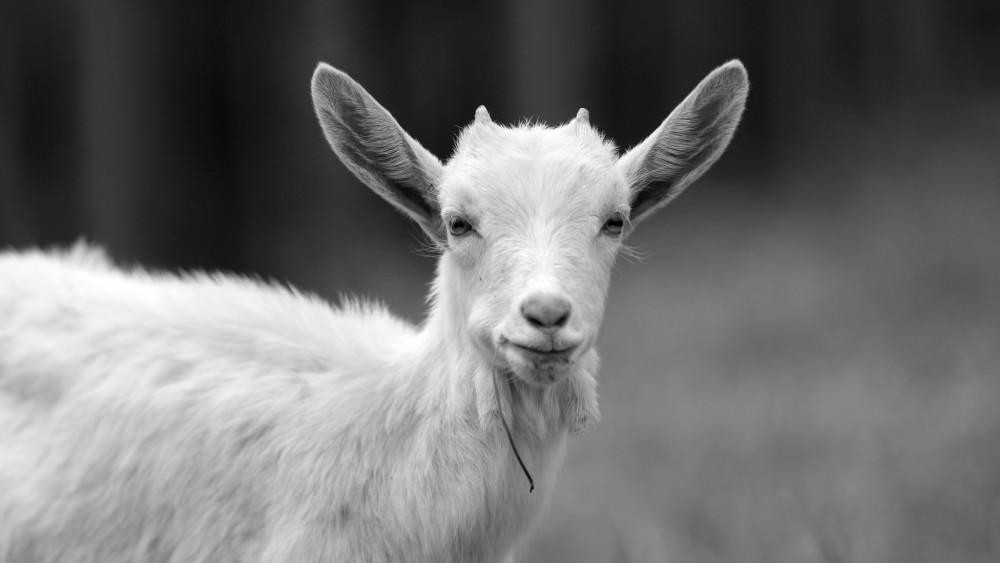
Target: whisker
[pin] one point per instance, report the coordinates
(632, 254)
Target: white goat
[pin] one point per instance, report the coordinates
(152, 417)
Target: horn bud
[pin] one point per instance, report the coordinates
(483, 116)
(582, 117)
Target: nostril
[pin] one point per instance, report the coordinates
(546, 310)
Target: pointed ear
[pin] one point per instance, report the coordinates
(688, 142)
(376, 149)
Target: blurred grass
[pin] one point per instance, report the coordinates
(817, 380)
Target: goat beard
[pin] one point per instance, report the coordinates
(495, 376)
(527, 415)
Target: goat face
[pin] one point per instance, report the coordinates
(533, 218)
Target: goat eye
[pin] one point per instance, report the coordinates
(614, 225)
(458, 226)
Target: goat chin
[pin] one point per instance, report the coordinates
(150, 416)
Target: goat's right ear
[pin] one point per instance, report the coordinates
(687, 143)
(376, 149)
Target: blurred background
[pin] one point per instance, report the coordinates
(804, 366)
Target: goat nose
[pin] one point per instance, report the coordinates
(546, 310)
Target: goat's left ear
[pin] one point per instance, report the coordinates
(688, 142)
(376, 149)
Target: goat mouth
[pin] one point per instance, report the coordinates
(540, 355)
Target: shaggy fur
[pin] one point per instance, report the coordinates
(150, 417)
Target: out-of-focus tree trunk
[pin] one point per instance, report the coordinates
(12, 226)
(126, 183)
(39, 144)
(155, 134)
(803, 71)
(552, 46)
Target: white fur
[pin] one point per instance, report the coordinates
(154, 417)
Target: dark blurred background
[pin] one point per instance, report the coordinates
(804, 366)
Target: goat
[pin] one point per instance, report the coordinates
(208, 418)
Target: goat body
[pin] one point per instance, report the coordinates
(155, 417)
